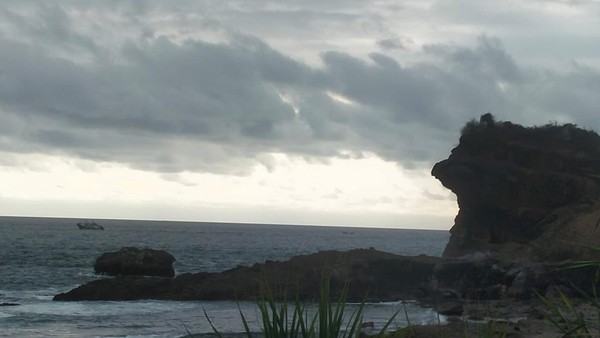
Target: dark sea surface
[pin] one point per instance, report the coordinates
(40, 257)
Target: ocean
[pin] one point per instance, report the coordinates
(40, 257)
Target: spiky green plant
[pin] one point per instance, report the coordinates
(564, 315)
(328, 321)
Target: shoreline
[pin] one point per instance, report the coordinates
(508, 318)
(474, 295)
(503, 318)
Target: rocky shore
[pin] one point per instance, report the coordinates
(372, 275)
(529, 203)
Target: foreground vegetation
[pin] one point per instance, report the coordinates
(328, 320)
(569, 312)
(578, 317)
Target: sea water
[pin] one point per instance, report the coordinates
(40, 257)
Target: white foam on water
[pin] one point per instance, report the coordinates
(104, 308)
(5, 315)
(158, 319)
(89, 274)
(393, 303)
(24, 296)
(136, 336)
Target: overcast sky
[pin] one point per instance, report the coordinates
(301, 111)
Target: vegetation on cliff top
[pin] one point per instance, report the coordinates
(551, 134)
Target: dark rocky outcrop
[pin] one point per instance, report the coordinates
(131, 261)
(371, 273)
(526, 194)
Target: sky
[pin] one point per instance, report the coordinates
(295, 112)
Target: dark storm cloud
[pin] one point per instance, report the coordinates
(391, 44)
(50, 26)
(488, 60)
(165, 105)
(223, 98)
(462, 83)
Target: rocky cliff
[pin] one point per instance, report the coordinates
(524, 193)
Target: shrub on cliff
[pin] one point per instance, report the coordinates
(550, 134)
(487, 120)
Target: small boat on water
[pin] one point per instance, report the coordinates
(89, 225)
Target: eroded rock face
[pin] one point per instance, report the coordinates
(524, 193)
(131, 261)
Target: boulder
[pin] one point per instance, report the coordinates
(524, 194)
(131, 261)
(470, 279)
(450, 308)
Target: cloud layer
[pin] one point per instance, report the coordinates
(191, 87)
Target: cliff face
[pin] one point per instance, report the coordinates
(524, 193)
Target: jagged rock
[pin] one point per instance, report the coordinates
(118, 288)
(372, 274)
(483, 279)
(529, 280)
(525, 194)
(450, 308)
(131, 261)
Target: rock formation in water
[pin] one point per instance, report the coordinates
(524, 193)
(132, 261)
(375, 274)
(369, 274)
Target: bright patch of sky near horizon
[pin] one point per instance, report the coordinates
(294, 191)
(304, 112)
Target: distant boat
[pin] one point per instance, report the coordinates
(89, 225)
